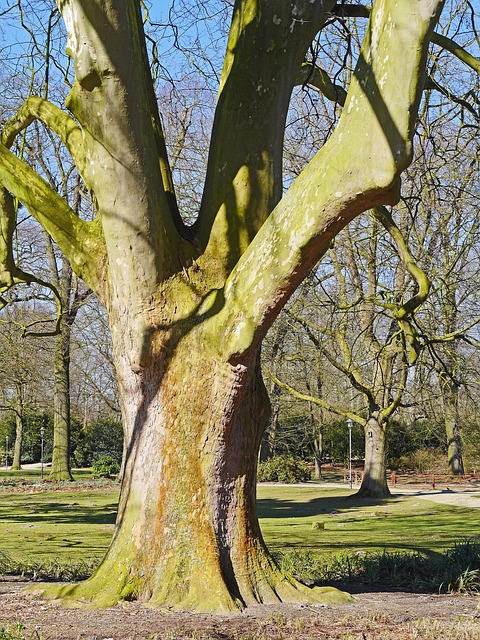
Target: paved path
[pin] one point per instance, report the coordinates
(459, 497)
(469, 498)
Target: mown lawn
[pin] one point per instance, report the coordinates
(32, 473)
(401, 523)
(79, 523)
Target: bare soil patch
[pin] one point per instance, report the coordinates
(374, 615)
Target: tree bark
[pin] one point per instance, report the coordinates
(187, 533)
(17, 449)
(188, 308)
(374, 482)
(452, 428)
(61, 469)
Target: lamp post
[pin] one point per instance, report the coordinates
(6, 452)
(42, 432)
(350, 425)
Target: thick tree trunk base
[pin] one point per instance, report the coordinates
(60, 469)
(374, 481)
(187, 534)
(379, 490)
(209, 599)
(60, 475)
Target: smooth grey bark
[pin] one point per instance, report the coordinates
(449, 396)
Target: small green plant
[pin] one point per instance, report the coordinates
(67, 571)
(105, 467)
(16, 632)
(468, 582)
(284, 468)
(458, 567)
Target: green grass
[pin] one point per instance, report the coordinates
(17, 632)
(400, 523)
(55, 531)
(63, 524)
(31, 474)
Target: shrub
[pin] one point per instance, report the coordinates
(284, 469)
(17, 632)
(456, 570)
(105, 467)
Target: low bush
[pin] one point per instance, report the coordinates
(284, 469)
(70, 571)
(105, 467)
(455, 571)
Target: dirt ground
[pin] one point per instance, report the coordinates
(378, 616)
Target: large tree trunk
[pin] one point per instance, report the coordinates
(61, 469)
(187, 532)
(189, 307)
(374, 482)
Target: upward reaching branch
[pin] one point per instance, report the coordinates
(358, 168)
(78, 239)
(247, 137)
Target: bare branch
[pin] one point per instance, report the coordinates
(318, 401)
(54, 118)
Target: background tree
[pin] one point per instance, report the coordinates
(25, 374)
(439, 142)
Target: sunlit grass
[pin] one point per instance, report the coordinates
(401, 523)
(35, 473)
(61, 524)
(51, 532)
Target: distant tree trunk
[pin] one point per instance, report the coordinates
(317, 440)
(374, 483)
(61, 466)
(452, 428)
(17, 450)
(267, 446)
(317, 457)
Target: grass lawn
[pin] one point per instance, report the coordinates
(79, 524)
(63, 524)
(31, 474)
(400, 523)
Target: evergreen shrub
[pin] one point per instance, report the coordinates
(284, 468)
(105, 467)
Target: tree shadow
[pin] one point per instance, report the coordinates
(274, 508)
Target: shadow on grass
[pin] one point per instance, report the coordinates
(274, 508)
(66, 513)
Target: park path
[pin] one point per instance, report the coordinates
(469, 498)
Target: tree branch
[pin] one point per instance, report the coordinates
(317, 77)
(80, 241)
(55, 119)
(318, 401)
(458, 51)
(252, 108)
(403, 312)
(360, 11)
(357, 169)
